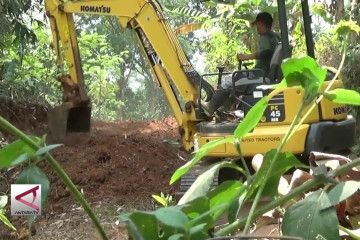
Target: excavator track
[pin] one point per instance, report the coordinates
(190, 177)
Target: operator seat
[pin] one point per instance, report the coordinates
(246, 85)
(275, 74)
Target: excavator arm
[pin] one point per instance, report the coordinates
(169, 64)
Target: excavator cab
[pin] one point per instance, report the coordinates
(314, 135)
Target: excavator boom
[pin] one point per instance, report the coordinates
(169, 64)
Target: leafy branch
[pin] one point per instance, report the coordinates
(315, 182)
(36, 147)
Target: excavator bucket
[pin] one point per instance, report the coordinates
(66, 119)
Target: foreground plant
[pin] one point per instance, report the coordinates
(29, 151)
(3, 218)
(198, 210)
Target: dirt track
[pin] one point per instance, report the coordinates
(118, 167)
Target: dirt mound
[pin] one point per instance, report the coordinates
(118, 164)
(28, 117)
(122, 161)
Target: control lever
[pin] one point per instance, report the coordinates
(247, 64)
(240, 64)
(221, 70)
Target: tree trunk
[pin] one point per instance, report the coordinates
(122, 85)
(354, 7)
(339, 10)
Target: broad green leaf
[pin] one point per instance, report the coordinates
(260, 175)
(197, 232)
(207, 217)
(226, 192)
(196, 207)
(6, 221)
(343, 96)
(235, 207)
(172, 216)
(22, 158)
(203, 183)
(12, 151)
(202, 152)
(125, 216)
(252, 118)
(305, 219)
(46, 149)
(304, 72)
(141, 223)
(3, 201)
(177, 236)
(284, 163)
(342, 191)
(34, 175)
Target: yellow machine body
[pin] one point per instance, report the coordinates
(171, 69)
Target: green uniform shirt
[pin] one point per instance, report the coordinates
(267, 44)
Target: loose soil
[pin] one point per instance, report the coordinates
(118, 166)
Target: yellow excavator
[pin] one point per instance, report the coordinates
(321, 131)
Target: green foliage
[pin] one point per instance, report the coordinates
(285, 162)
(252, 118)
(109, 70)
(304, 72)
(317, 209)
(298, 41)
(227, 192)
(164, 200)
(308, 219)
(184, 11)
(46, 149)
(342, 191)
(34, 175)
(343, 96)
(30, 77)
(99, 65)
(223, 48)
(3, 218)
(12, 24)
(344, 28)
(320, 9)
(202, 152)
(204, 182)
(188, 221)
(16, 153)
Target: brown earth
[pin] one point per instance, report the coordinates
(118, 166)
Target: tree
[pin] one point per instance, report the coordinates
(29, 77)
(11, 23)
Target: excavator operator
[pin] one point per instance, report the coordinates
(268, 40)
